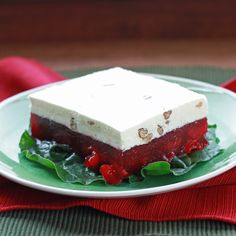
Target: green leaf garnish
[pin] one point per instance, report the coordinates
(70, 167)
(156, 168)
(135, 178)
(60, 157)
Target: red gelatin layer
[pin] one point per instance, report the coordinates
(177, 142)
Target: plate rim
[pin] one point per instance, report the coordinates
(121, 193)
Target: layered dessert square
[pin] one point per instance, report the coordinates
(119, 120)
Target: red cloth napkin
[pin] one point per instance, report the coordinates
(230, 84)
(19, 74)
(214, 199)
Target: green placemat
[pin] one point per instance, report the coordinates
(86, 221)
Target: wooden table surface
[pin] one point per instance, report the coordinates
(71, 55)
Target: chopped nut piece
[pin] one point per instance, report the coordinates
(167, 114)
(142, 133)
(199, 104)
(160, 129)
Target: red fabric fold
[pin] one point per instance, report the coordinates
(18, 74)
(213, 199)
(230, 84)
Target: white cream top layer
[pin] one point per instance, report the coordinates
(119, 107)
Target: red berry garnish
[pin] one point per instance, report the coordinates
(170, 155)
(120, 170)
(92, 161)
(123, 173)
(110, 174)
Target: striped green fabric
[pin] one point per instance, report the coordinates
(86, 221)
